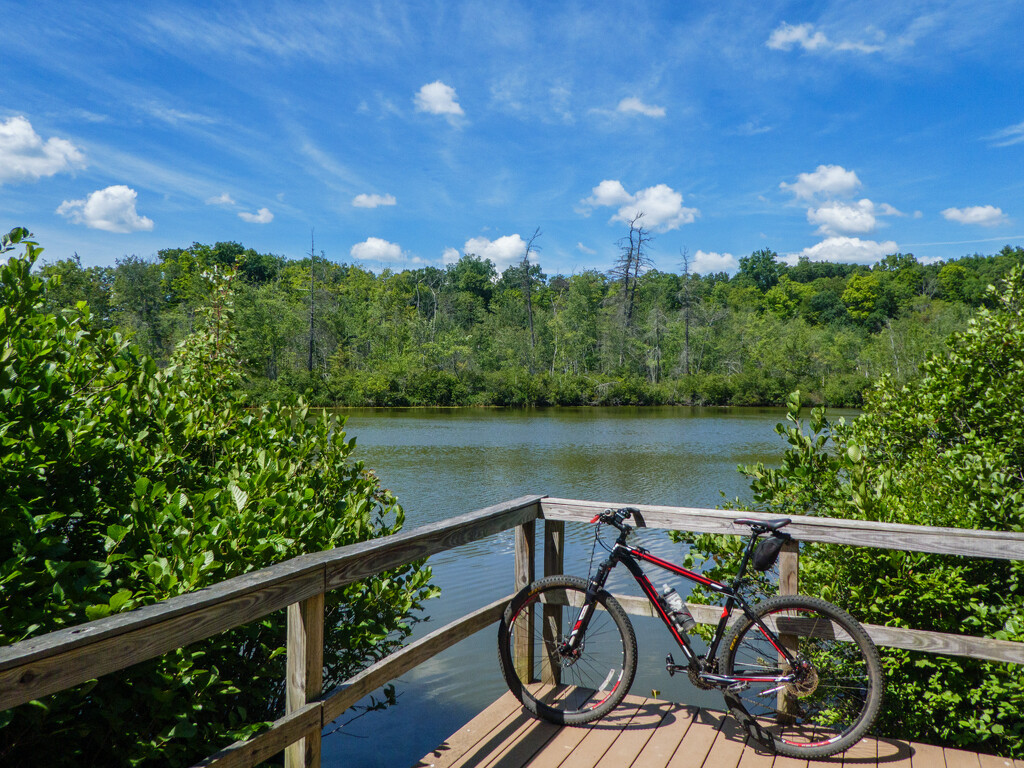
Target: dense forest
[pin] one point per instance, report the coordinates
(466, 335)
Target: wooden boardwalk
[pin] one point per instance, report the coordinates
(647, 733)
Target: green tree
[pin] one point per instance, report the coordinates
(761, 268)
(122, 485)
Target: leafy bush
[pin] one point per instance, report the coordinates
(122, 485)
(945, 450)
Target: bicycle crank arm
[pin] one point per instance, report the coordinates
(671, 667)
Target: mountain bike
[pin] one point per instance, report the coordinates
(800, 674)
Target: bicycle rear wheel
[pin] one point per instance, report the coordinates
(564, 688)
(838, 691)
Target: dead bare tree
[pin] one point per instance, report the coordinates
(633, 261)
(686, 299)
(527, 282)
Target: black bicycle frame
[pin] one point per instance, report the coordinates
(629, 555)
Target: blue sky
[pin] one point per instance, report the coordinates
(404, 134)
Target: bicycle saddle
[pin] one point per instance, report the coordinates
(767, 525)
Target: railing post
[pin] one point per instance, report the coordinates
(789, 584)
(305, 674)
(551, 629)
(523, 631)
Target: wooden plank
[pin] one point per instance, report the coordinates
(729, 746)
(551, 616)
(893, 753)
(54, 668)
(305, 674)
(400, 662)
(664, 741)
(864, 752)
(282, 732)
(359, 561)
(994, 761)
(560, 748)
(498, 741)
(781, 761)
(525, 568)
(946, 644)
(926, 756)
(522, 745)
(891, 637)
(602, 734)
(476, 731)
(959, 758)
(634, 737)
(1004, 545)
(789, 584)
(701, 735)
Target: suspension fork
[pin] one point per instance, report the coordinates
(572, 643)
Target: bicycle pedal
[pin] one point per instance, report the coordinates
(738, 687)
(671, 667)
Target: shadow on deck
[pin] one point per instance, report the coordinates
(647, 733)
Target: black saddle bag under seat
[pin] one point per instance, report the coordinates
(767, 552)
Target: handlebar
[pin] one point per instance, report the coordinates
(615, 517)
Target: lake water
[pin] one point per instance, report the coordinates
(443, 463)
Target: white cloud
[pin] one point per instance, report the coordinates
(661, 205)
(24, 156)
(451, 256)
(376, 249)
(583, 249)
(222, 199)
(847, 249)
(372, 201)
(710, 263)
(111, 210)
(856, 218)
(438, 99)
(1014, 134)
(825, 180)
(504, 252)
(608, 192)
(262, 216)
(982, 215)
(785, 36)
(631, 104)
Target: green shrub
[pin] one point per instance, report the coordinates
(122, 485)
(944, 450)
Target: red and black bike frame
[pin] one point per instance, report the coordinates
(630, 557)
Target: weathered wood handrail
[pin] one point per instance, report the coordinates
(59, 660)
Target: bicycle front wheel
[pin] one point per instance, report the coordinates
(566, 687)
(838, 687)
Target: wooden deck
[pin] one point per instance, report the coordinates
(647, 733)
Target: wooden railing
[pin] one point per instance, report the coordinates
(43, 665)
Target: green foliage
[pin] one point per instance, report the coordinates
(946, 449)
(122, 484)
(403, 338)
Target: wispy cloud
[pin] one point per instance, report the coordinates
(372, 201)
(633, 105)
(1014, 134)
(787, 36)
(222, 199)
